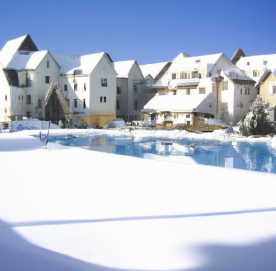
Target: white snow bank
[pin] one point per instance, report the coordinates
(70, 209)
(19, 142)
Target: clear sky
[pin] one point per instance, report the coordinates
(148, 31)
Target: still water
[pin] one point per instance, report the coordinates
(250, 156)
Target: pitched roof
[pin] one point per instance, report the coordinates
(153, 69)
(26, 60)
(123, 67)
(69, 63)
(236, 57)
(12, 46)
(182, 103)
(238, 77)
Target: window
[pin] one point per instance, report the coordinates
(183, 75)
(241, 91)
(19, 98)
(101, 99)
(188, 91)
(274, 90)
(195, 74)
(201, 90)
(6, 97)
(118, 90)
(76, 103)
(84, 104)
(104, 82)
(65, 88)
(255, 73)
(84, 86)
(104, 99)
(248, 63)
(29, 99)
(39, 103)
(75, 87)
(224, 85)
(245, 92)
(265, 62)
(135, 105)
(188, 123)
(48, 63)
(173, 76)
(6, 111)
(248, 91)
(135, 89)
(47, 79)
(117, 104)
(28, 114)
(187, 116)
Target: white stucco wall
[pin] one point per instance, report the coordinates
(103, 70)
(4, 90)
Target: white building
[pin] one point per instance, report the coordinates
(25, 76)
(130, 90)
(39, 84)
(152, 73)
(254, 66)
(216, 83)
(88, 83)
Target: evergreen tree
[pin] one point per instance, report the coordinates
(256, 121)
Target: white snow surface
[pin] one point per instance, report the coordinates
(69, 63)
(152, 69)
(9, 50)
(29, 61)
(71, 209)
(123, 67)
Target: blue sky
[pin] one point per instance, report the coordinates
(148, 31)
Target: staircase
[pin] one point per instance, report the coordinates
(65, 108)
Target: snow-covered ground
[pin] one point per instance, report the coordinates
(71, 209)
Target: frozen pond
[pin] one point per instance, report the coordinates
(251, 156)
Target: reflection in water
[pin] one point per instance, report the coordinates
(251, 156)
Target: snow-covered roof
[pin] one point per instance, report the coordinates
(123, 67)
(152, 69)
(9, 50)
(182, 103)
(69, 63)
(184, 63)
(257, 61)
(181, 63)
(236, 73)
(26, 60)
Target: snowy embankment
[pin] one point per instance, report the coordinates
(71, 209)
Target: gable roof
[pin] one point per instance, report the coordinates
(153, 69)
(123, 67)
(26, 60)
(238, 77)
(12, 46)
(181, 63)
(181, 103)
(85, 63)
(236, 57)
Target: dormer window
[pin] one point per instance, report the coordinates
(197, 61)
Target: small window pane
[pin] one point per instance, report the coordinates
(29, 99)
